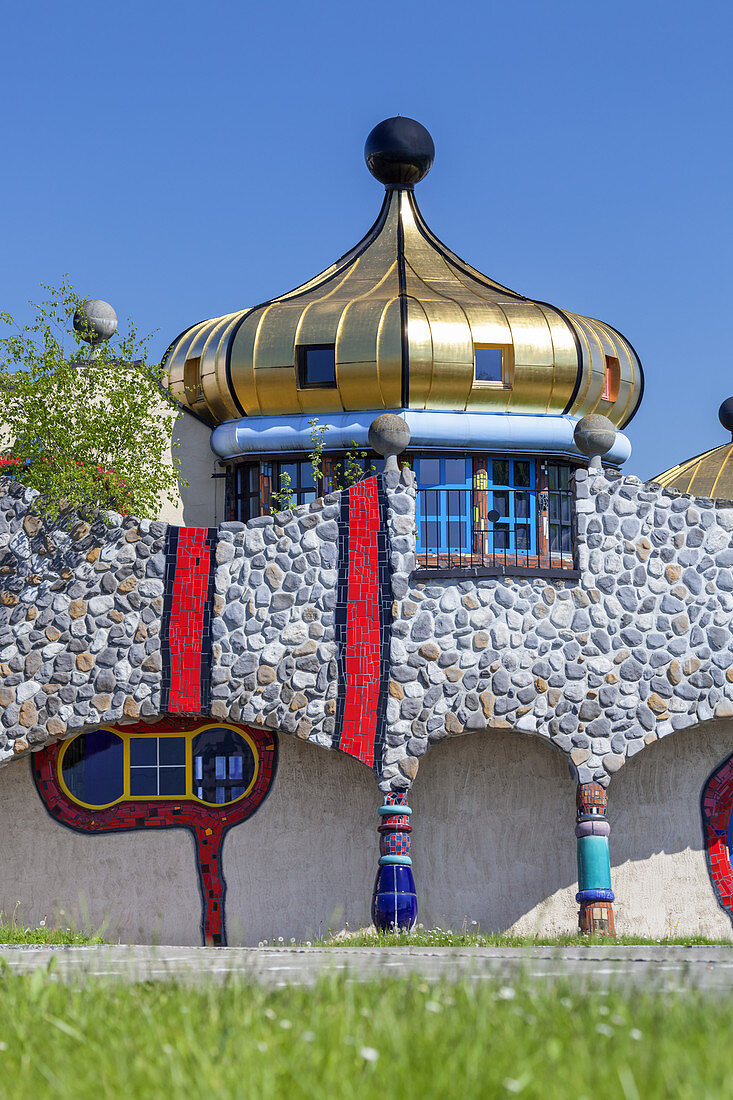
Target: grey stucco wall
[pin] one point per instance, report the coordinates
(493, 842)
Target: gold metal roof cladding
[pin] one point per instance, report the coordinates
(405, 316)
(707, 475)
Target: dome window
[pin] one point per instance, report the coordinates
(489, 365)
(612, 380)
(317, 366)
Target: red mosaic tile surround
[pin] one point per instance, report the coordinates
(716, 804)
(190, 553)
(362, 625)
(208, 824)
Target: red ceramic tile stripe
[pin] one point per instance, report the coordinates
(190, 588)
(362, 625)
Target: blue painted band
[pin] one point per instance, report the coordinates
(394, 810)
(385, 861)
(429, 429)
(595, 895)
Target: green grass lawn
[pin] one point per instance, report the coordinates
(358, 1040)
(14, 931)
(440, 937)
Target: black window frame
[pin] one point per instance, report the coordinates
(301, 354)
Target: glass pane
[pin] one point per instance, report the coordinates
(320, 366)
(456, 501)
(554, 507)
(93, 767)
(521, 505)
(291, 469)
(305, 497)
(143, 751)
(456, 534)
(213, 754)
(552, 477)
(501, 538)
(565, 508)
(144, 781)
(455, 471)
(428, 471)
(429, 502)
(429, 532)
(500, 471)
(236, 792)
(198, 770)
(254, 479)
(488, 364)
(565, 539)
(521, 535)
(501, 504)
(306, 475)
(172, 750)
(221, 795)
(521, 474)
(172, 781)
(235, 767)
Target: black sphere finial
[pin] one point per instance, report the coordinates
(725, 414)
(399, 152)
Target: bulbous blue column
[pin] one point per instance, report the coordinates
(394, 904)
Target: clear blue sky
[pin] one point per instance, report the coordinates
(182, 160)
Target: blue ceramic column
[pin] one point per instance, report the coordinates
(595, 895)
(394, 904)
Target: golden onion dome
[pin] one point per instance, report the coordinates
(405, 318)
(709, 474)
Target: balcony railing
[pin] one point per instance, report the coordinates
(495, 531)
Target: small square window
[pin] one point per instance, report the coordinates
(612, 379)
(489, 365)
(317, 366)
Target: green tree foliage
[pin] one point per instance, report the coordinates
(88, 429)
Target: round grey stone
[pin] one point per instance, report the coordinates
(594, 435)
(95, 321)
(389, 434)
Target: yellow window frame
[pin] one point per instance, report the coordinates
(126, 737)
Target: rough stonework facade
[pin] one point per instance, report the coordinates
(638, 647)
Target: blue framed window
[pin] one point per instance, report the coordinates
(486, 507)
(512, 505)
(444, 510)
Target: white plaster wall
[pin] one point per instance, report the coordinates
(493, 842)
(141, 887)
(494, 818)
(658, 867)
(306, 860)
(201, 502)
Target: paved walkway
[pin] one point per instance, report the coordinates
(665, 968)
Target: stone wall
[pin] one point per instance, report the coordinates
(638, 647)
(599, 667)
